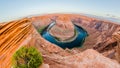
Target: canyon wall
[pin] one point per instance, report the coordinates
(12, 34)
(24, 32)
(100, 31)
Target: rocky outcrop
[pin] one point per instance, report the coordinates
(44, 66)
(100, 32)
(116, 36)
(22, 32)
(12, 34)
(63, 29)
(87, 59)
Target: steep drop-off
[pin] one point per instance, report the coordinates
(24, 32)
(76, 40)
(100, 31)
(12, 34)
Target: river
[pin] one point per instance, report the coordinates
(78, 40)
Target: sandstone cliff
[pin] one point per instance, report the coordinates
(24, 32)
(116, 36)
(100, 32)
(12, 34)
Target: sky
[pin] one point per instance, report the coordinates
(15, 9)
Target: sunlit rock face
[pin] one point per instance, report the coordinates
(19, 33)
(63, 29)
(116, 36)
(99, 30)
(12, 34)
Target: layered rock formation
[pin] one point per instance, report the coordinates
(100, 32)
(12, 34)
(22, 32)
(116, 36)
(63, 29)
(87, 59)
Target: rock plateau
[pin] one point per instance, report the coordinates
(98, 51)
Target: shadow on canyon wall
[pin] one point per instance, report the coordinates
(24, 32)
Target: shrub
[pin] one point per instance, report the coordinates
(27, 57)
(41, 29)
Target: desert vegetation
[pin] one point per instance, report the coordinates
(100, 50)
(27, 57)
(41, 29)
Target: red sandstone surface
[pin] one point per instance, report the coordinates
(23, 32)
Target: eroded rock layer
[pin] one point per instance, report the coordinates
(87, 59)
(100, 31)
(116, 36)
(12, 34)
(19, 33)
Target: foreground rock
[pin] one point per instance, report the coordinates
(44, 66)
(87, 59)
(12, 34)
(116, 36)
